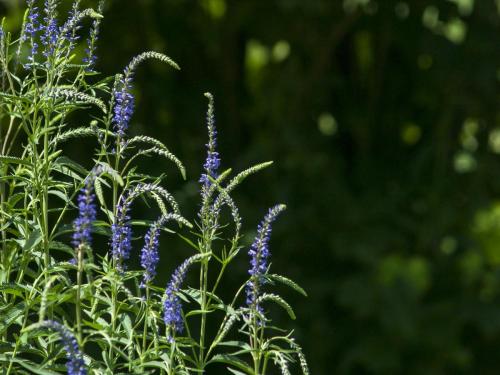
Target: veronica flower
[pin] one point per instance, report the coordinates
(212, 162)
(70, 28)
(51, 29)
(75, 364)
(86, 211)
(31, 28)
(259, 256)
(172, 306)
(149, 253)
(124, 99)
(121, 239)
(124, 105)
(90, 58)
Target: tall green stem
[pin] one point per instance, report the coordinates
(146, 312)
(78, 292)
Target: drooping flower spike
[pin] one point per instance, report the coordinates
(259, 257)
(75, 364)
(121, 238)
(90, 56)
(172, 306)
(123, 98)
(149, 253)
(69, 30)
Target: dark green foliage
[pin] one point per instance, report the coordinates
(387, 237)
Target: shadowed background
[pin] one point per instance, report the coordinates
(383, 120)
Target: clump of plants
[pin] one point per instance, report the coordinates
(68, 305)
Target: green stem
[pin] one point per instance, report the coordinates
(255, 346)
(204, 287)
(78, 292)
(113, 316)
(113, 286)
(146, 312)
(18, 341)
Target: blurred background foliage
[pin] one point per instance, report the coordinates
(383, 119)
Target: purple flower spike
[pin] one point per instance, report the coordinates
(70, 28)
(172, 307)
(31, 28)
(212, 161)
(259, 257)
(149, 253)
(86, 211)
(124, 106)
(124, 101)
(121, 240)
(91, 58)
(75, 364)
(123, 98)
(51, 29)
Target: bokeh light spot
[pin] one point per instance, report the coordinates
(327, 124)
(411, 133)
(257, 55)
(455, 30)
(464, 162)
(216, 8)
(281, 50)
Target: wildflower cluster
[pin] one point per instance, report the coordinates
(120, 317)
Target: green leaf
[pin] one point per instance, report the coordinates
(60, 195)
(12, 315)
(13, 160)
(34, 239)
(108, 170)
(98, 192)
(60, 246)
(234, 361)
(156, 364)
(238, 179)
(14, 289)
(28, 365)
(286, 281)
(237, 344)
(236, 372)
(279, 301)
(69, 168)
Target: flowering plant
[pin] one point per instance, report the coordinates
(65, 304)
